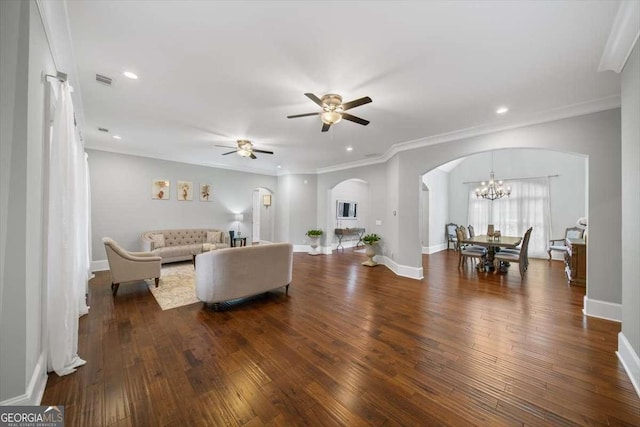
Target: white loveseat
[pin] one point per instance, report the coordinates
(239, 272)
(182, 244)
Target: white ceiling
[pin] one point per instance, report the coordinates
(212, 72)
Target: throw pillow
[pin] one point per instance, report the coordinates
(158, 241)
(214, 236)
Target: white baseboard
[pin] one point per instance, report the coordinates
(433, 249)
(35, 389)
(401, 270)
(99, 265)
(602, 309)
(630, 361)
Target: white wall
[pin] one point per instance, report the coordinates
(629, 340)
(567, 192)
(437, 182)
(122, 207)
(25, 57)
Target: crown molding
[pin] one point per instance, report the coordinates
(574, 110)
(622, 38)
(155, 156)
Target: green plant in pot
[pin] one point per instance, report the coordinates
(314, 236)
(370, 241)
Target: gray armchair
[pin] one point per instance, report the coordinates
(560, 244)
(127, 266)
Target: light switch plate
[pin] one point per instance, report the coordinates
(378, 222)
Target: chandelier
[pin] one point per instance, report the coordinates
(493, 189)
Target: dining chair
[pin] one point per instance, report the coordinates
(521, 256)
(466, 245)
(472, 232)
(560, 244)
(450, 235)
(473, 252)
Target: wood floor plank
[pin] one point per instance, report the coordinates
(349, 346)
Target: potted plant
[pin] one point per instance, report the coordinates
(370, 240)
(314, 236)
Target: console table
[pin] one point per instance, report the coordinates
(341, 232)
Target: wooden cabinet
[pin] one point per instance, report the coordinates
(576, 261)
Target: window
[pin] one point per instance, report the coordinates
(528, 206)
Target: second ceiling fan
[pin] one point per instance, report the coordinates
(333, 110)
(245, 149)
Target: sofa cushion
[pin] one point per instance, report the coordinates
(214, 237)
(158, 241)
(177, 251)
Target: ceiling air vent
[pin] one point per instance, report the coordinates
(103, 79)
(103, 129)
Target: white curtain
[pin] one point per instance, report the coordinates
(528, 206)
(68, 267)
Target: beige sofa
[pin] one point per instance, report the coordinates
(240, 272)
(182, 244)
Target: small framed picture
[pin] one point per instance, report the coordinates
(160, 189)
(205, 192)
(185, 191)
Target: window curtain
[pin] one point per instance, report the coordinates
(528, 206)
(68, 236)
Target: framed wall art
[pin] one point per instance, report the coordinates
(185, 191)
(160, 189)
(205, 192)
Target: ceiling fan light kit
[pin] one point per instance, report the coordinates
(245, 148)
(333, 110)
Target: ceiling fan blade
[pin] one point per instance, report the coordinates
(262, 151)
(325, 127)
(253, 156)
(314, 98)
(223, 146)
(356, 103)
(302, 115)
(230, 152)
(355, 119)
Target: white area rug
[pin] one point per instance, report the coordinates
(177, 286)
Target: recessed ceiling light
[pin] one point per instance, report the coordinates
(117, 137)
(502, 110)
(349, 148)
(130, 75)
(279, 166)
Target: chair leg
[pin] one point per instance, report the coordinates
(549, 252)
(286, 290)
(157, 281)
(522, 270)
(114, 288)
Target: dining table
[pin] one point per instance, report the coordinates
(493, 244)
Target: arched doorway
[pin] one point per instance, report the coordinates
(263, 224)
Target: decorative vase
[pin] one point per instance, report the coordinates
(370, 252)
(314, 244)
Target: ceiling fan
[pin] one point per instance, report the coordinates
(333, 110)
(245, 149)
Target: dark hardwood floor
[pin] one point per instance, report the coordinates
(353, 345)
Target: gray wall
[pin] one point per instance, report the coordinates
(631, 203)
(25, 58)
(122, 207)
(596, 135)
(567, 192)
